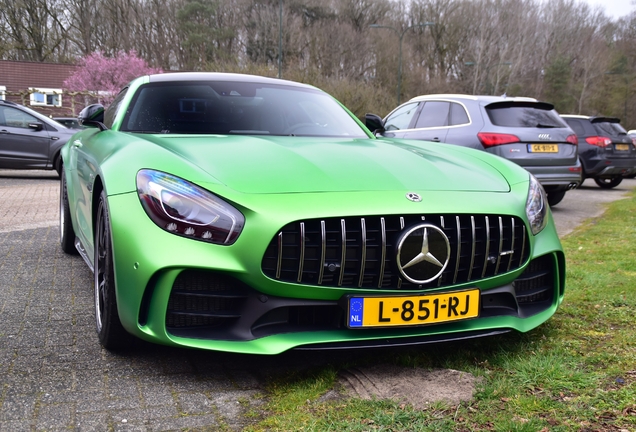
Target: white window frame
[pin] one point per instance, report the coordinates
(46, 92)
(3, 92)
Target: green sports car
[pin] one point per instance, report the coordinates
(246, 214)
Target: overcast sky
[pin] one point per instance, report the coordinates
(614, 8)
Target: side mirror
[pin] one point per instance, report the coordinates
(92, 115)
(374, 123)
(36, 126)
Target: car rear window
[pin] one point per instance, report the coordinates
(610, 128)
(528, 115)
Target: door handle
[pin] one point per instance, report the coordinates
(435, 139)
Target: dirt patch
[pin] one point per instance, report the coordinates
(418, 387)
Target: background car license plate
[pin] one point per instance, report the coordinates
(413, 310)
(621, 147)
(544, 148)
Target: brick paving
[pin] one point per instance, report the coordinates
(55, 376)
(19, 190)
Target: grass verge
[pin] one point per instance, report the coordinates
(575, 372)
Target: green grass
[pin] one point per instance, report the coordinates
(575, 372)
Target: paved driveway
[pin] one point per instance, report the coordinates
(54, 374)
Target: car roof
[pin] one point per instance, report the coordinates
(593, 119)
(482, 98)
(220, 76)
(489, 101)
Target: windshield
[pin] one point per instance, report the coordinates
(222, 107)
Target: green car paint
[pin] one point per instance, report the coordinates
(274, 181)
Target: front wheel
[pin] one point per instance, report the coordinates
(608, 183)
(67, 234)
(110, 331)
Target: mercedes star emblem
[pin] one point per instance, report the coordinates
(412, 196)
(423, 252)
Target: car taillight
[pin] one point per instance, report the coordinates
(599, 141)
(572, 139)
(489, 139)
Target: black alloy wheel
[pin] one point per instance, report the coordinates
(110, 331)
(67, 234)
(608, 183)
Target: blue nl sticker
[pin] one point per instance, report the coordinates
(355, 312)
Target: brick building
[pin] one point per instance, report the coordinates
(39, 86)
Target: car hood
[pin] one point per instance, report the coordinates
(253, 164)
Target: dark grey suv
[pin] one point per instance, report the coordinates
(523, 130)
(30, 140)
(606, 150)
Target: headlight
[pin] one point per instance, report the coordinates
(185, 209)
(536, 208)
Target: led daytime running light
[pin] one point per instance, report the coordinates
(182, 208)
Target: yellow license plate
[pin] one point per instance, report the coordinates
(413, 310)
(544, 148)
(622, 147)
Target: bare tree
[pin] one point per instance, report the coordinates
(32, 28)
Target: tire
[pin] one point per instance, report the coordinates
(608, 183)
(555, 197)
(67, 234)
(110, 331)
(57, 164)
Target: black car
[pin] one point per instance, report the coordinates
(606, 150)
(523, 130)
(30, 140)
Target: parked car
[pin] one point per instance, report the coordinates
(28, 139)
(523, 130)
(607, 153)
(69, 122)
(255, 215)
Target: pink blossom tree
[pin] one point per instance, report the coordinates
(103, 77)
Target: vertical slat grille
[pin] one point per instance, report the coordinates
(360, 252)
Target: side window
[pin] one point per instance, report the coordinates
(113, 108)
(458, 115)
(401, 118)
(15, 118)
(433, 114)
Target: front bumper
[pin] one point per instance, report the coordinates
(561, 178)
(605, 168)
(251, 313)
